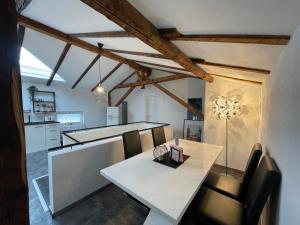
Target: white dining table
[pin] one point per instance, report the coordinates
(165, 190)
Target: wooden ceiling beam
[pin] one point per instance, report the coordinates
(169, 33)
(59, 62)
(156, 80)
(37, 26)
(238, 38)
(216, 75)
(131, 20)
(174, 35)
(122, 82)
(179, 100)
(237, 79)
(247, 69)
(86, 71)
(107, 76)
(195, 60)
(124, 96)
(241, 68)
(103, 34)
(14, 199)
(161, 65)
(146, 54)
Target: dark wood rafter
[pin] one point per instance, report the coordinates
(14, 201)
(215, 75)
(195, 60)
(59, 62)
(107, 76)
(156, 80)
(152, 55)
(241, 68)
(125, 96)
(174, 35)
(37, 26)
(167, 33)
(105, 34)
(179, 100)
(237, 79)
(131, 20)
(239, 38)
(86, 71)
(122, 82)
(161, 65)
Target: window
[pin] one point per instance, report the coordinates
(33, 67)
(69, 117)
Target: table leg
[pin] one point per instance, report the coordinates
(154, 218)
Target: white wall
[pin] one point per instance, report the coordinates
(244, 130)
(167, 110)
(70, 100)
(72, 178)
(281, 129)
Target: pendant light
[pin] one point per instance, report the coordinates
(100, 88)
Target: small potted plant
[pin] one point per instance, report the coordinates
(32, 89)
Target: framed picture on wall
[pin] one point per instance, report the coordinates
(197, 104)
(193, 130)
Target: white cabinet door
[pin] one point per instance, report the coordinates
(35, 138)
(52, 135)
(112, 116)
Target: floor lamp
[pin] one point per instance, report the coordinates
(226, 109)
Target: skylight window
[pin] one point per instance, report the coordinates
(33, 67)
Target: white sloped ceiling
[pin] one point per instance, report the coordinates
(189, 17)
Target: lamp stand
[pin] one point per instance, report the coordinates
(226, 147)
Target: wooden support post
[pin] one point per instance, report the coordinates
(107, 76)
(14, 208)
(180, 101)
(86, 71)
(21, 34)
(59, 62)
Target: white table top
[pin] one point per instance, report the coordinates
(166, 190)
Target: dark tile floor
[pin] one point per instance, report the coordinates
(108, 206)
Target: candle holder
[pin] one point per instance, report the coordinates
(159, 152)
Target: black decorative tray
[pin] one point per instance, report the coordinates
(168, 161)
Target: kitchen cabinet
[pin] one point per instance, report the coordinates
(40, 137)
(35, 138)
(52, 135)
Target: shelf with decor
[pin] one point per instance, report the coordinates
(43, 101)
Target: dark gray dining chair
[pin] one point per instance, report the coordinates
(132, 147)
(213, 208)
(232, 187)
(132, 143)
(158, 135)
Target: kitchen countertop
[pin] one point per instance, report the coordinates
(38, 123)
